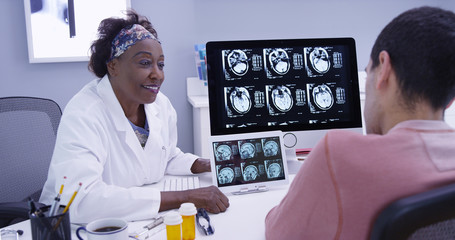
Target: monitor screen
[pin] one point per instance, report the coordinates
(289, 85)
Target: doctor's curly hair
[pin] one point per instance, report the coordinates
(109, 28)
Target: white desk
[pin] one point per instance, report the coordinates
(245, 216)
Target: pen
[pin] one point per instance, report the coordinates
(148, 227)
(54, 208)
(31, 205)
(67, 206)
(33, 210)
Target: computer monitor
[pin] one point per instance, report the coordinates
(302, 87)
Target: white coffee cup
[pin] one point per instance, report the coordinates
(105, 229)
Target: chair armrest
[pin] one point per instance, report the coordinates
(11, 212)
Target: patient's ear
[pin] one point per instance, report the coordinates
(384, 70)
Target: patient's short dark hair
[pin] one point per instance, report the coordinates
(421, 45)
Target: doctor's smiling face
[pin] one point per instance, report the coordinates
(137, 74)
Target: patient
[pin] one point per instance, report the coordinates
(349, 178)
(120, 132)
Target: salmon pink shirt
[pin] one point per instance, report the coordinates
(349, 178)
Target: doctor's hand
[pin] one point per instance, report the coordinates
(210, 198)
(201, 165)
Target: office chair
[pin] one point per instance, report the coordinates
(427, 215)
(28, 129)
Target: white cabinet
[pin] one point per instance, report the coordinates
(198, 97)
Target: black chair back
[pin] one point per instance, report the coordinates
(427, 215)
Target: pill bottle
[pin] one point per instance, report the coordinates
(188, 212)
(173, 222)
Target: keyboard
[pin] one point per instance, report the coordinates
(180, 183)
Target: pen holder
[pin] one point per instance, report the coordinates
(45, 227)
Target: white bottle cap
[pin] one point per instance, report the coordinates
(187, 209)
(173, 218)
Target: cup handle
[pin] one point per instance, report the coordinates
(77, 232)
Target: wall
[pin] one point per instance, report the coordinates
(181, 23)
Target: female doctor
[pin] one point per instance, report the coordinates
(119, 132)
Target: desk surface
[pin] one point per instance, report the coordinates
(245, 215)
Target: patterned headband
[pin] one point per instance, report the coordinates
(127, 37)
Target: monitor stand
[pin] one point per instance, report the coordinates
(254, 190)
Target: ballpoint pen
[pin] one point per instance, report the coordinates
(31, 205)
(54, 207)
(157, 221)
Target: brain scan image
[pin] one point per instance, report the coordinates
(323, 97)
(279, 60)
(226, 175)
(250, 173)
(223, 153)
(274, 170)
(240, 100)
(238, 62)
(247, 150)
(282, 98)
(319, 59)
(270, 149)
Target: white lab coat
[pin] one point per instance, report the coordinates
(97, 146)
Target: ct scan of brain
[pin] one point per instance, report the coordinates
(274, 170)
(226, 175)
(282, 98)
(250, 173)
(240, 100)
(319, 59)
(270, 148)
(323, 97)
(279, 60)
(238, 62)
(223, 153)
(247, 150)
